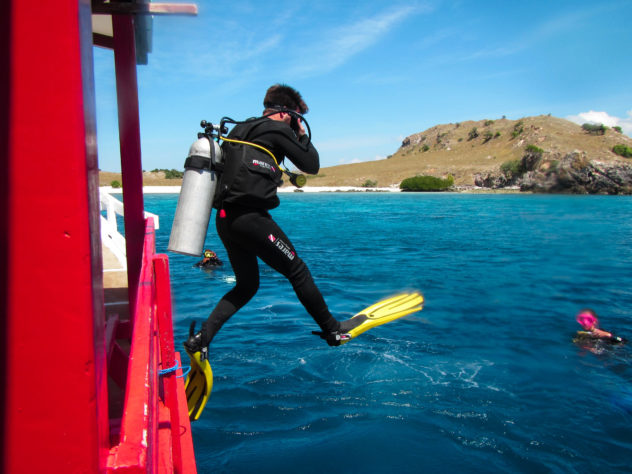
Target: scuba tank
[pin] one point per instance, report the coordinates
(195, 202)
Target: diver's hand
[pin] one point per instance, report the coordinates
(300, 130)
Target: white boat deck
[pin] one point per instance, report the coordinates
(113, 256)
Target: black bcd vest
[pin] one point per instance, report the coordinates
(250, 177)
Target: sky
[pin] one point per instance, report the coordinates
(373, 72)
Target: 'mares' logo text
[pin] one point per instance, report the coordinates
(282, 246)
(265, 165)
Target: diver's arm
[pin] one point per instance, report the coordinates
(280, 138)
(308, 161)
(601, 333)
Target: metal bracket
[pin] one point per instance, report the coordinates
(104, 7)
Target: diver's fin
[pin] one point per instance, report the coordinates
(377, 314)
(199, 383)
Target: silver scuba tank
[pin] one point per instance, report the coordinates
(195, 202)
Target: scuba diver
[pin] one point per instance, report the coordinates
(210, 260)
(246, 191)
(587, 318)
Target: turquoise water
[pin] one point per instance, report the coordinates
(484, 379)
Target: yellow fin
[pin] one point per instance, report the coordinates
(387, 310)
(198, 384)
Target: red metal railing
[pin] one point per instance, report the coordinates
(154, 431)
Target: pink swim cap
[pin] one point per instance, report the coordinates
(587, 319)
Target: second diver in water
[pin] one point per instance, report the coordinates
(210, 260)
(587, 318)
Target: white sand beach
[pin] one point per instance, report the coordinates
(286, 189)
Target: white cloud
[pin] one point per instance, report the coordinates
(536, 35)
(337, 46)
(608, 120)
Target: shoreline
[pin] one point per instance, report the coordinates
(323, 189)
(285, 189)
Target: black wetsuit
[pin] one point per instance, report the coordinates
(248, 231)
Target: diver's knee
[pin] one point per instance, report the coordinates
(248, 290)
(299, 274)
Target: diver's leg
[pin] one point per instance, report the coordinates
(271, 244)
(246, 269)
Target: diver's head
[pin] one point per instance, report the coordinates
(587, 318)
(282, 96)
(281, 99)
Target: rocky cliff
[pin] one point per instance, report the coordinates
(573, 172)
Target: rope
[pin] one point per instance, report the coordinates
(174, 368)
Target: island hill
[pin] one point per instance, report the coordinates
(537, 154)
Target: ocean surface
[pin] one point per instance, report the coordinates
(485, 379)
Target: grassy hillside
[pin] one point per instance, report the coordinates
(453, 149)
(149, 179)
(449, 149)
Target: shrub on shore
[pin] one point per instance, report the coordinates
(595, 129)
(623, 150)
(115, 184)
(512, 168)
(426, 183)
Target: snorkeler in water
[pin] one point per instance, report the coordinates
(587, 318)
(210, 260)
